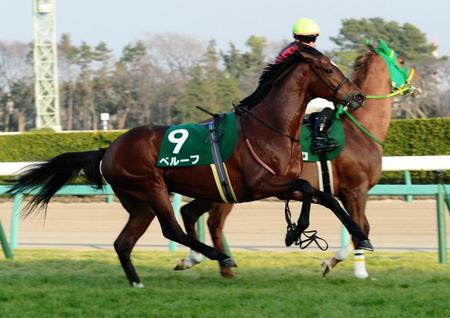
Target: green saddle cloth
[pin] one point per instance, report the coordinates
(337, 133)
(188, 145)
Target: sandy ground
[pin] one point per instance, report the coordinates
(395, 225)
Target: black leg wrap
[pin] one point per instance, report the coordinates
(295, 236)
(365, 245)
(290, 238)
(292, 235)
(228, 262)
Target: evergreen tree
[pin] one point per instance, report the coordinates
(209, 87)
(406, 39)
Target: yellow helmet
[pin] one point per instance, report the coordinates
(305, 26)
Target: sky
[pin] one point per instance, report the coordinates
(120, 22)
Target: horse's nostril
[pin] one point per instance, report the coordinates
(359, 98)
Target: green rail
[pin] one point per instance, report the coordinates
(440, 192)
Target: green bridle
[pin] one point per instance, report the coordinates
(400, 83)
(400, 76)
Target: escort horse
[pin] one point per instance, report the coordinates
(381, 73)
(267, 122)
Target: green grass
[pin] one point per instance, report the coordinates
(57, 283)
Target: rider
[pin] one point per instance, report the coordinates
(306, 31)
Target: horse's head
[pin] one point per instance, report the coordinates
(413, 80)
(328, 81)
(402, 79)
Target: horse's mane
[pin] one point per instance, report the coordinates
(360, 66)
(273, 72)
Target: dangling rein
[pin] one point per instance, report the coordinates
(404, 89)
(240, 110)
(357, 124)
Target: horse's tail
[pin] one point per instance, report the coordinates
(48, 177)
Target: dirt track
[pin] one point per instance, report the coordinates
(252, 226)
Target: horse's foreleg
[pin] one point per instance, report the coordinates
(140, 218)
(328, 201)
(216, 221)
(190, 213)
(356, 200)
(303, 221)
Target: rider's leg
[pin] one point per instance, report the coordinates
(320, 126)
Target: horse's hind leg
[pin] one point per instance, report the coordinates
(172, 230)
(356, 205)
(219, 212)
(190, 213)
(216, 221)
(141, 215)
(354, 202)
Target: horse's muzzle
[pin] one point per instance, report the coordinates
(356, 101)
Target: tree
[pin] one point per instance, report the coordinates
(234, 62)
(172, 57)
(68, 72)
(406, 38)
(16, 83)
(209, 87)
(246, 67)
(134, 80)
(85, 93)
(104, 95)
(411, 43)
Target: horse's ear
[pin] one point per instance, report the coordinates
(369, 44)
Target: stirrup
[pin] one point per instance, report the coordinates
(323, 147)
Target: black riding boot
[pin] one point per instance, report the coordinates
(320, 140)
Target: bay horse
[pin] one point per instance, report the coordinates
(355, 171)
(271, 117)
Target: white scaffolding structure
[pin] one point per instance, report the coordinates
(45, 65)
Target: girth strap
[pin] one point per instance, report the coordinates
(219, 169)
(325, 173)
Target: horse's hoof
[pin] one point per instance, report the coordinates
(184, 264)
(226, 272)
(361, 275)
(228, 262)
(365, 245)
(290, 238)
(137, 285)
(326, 267)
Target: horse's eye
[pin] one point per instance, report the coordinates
(328, 70)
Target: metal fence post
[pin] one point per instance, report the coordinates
(4, 241)
(226, 247)
(176, 203)
(442, 237)
(201, 228)
(345, 237)
(407, 174)
(109, 198)
(15, 217)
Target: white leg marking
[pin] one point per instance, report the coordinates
(326, 267)
(343, 252)
(138, 285)
(192, 259)
(360, 265)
